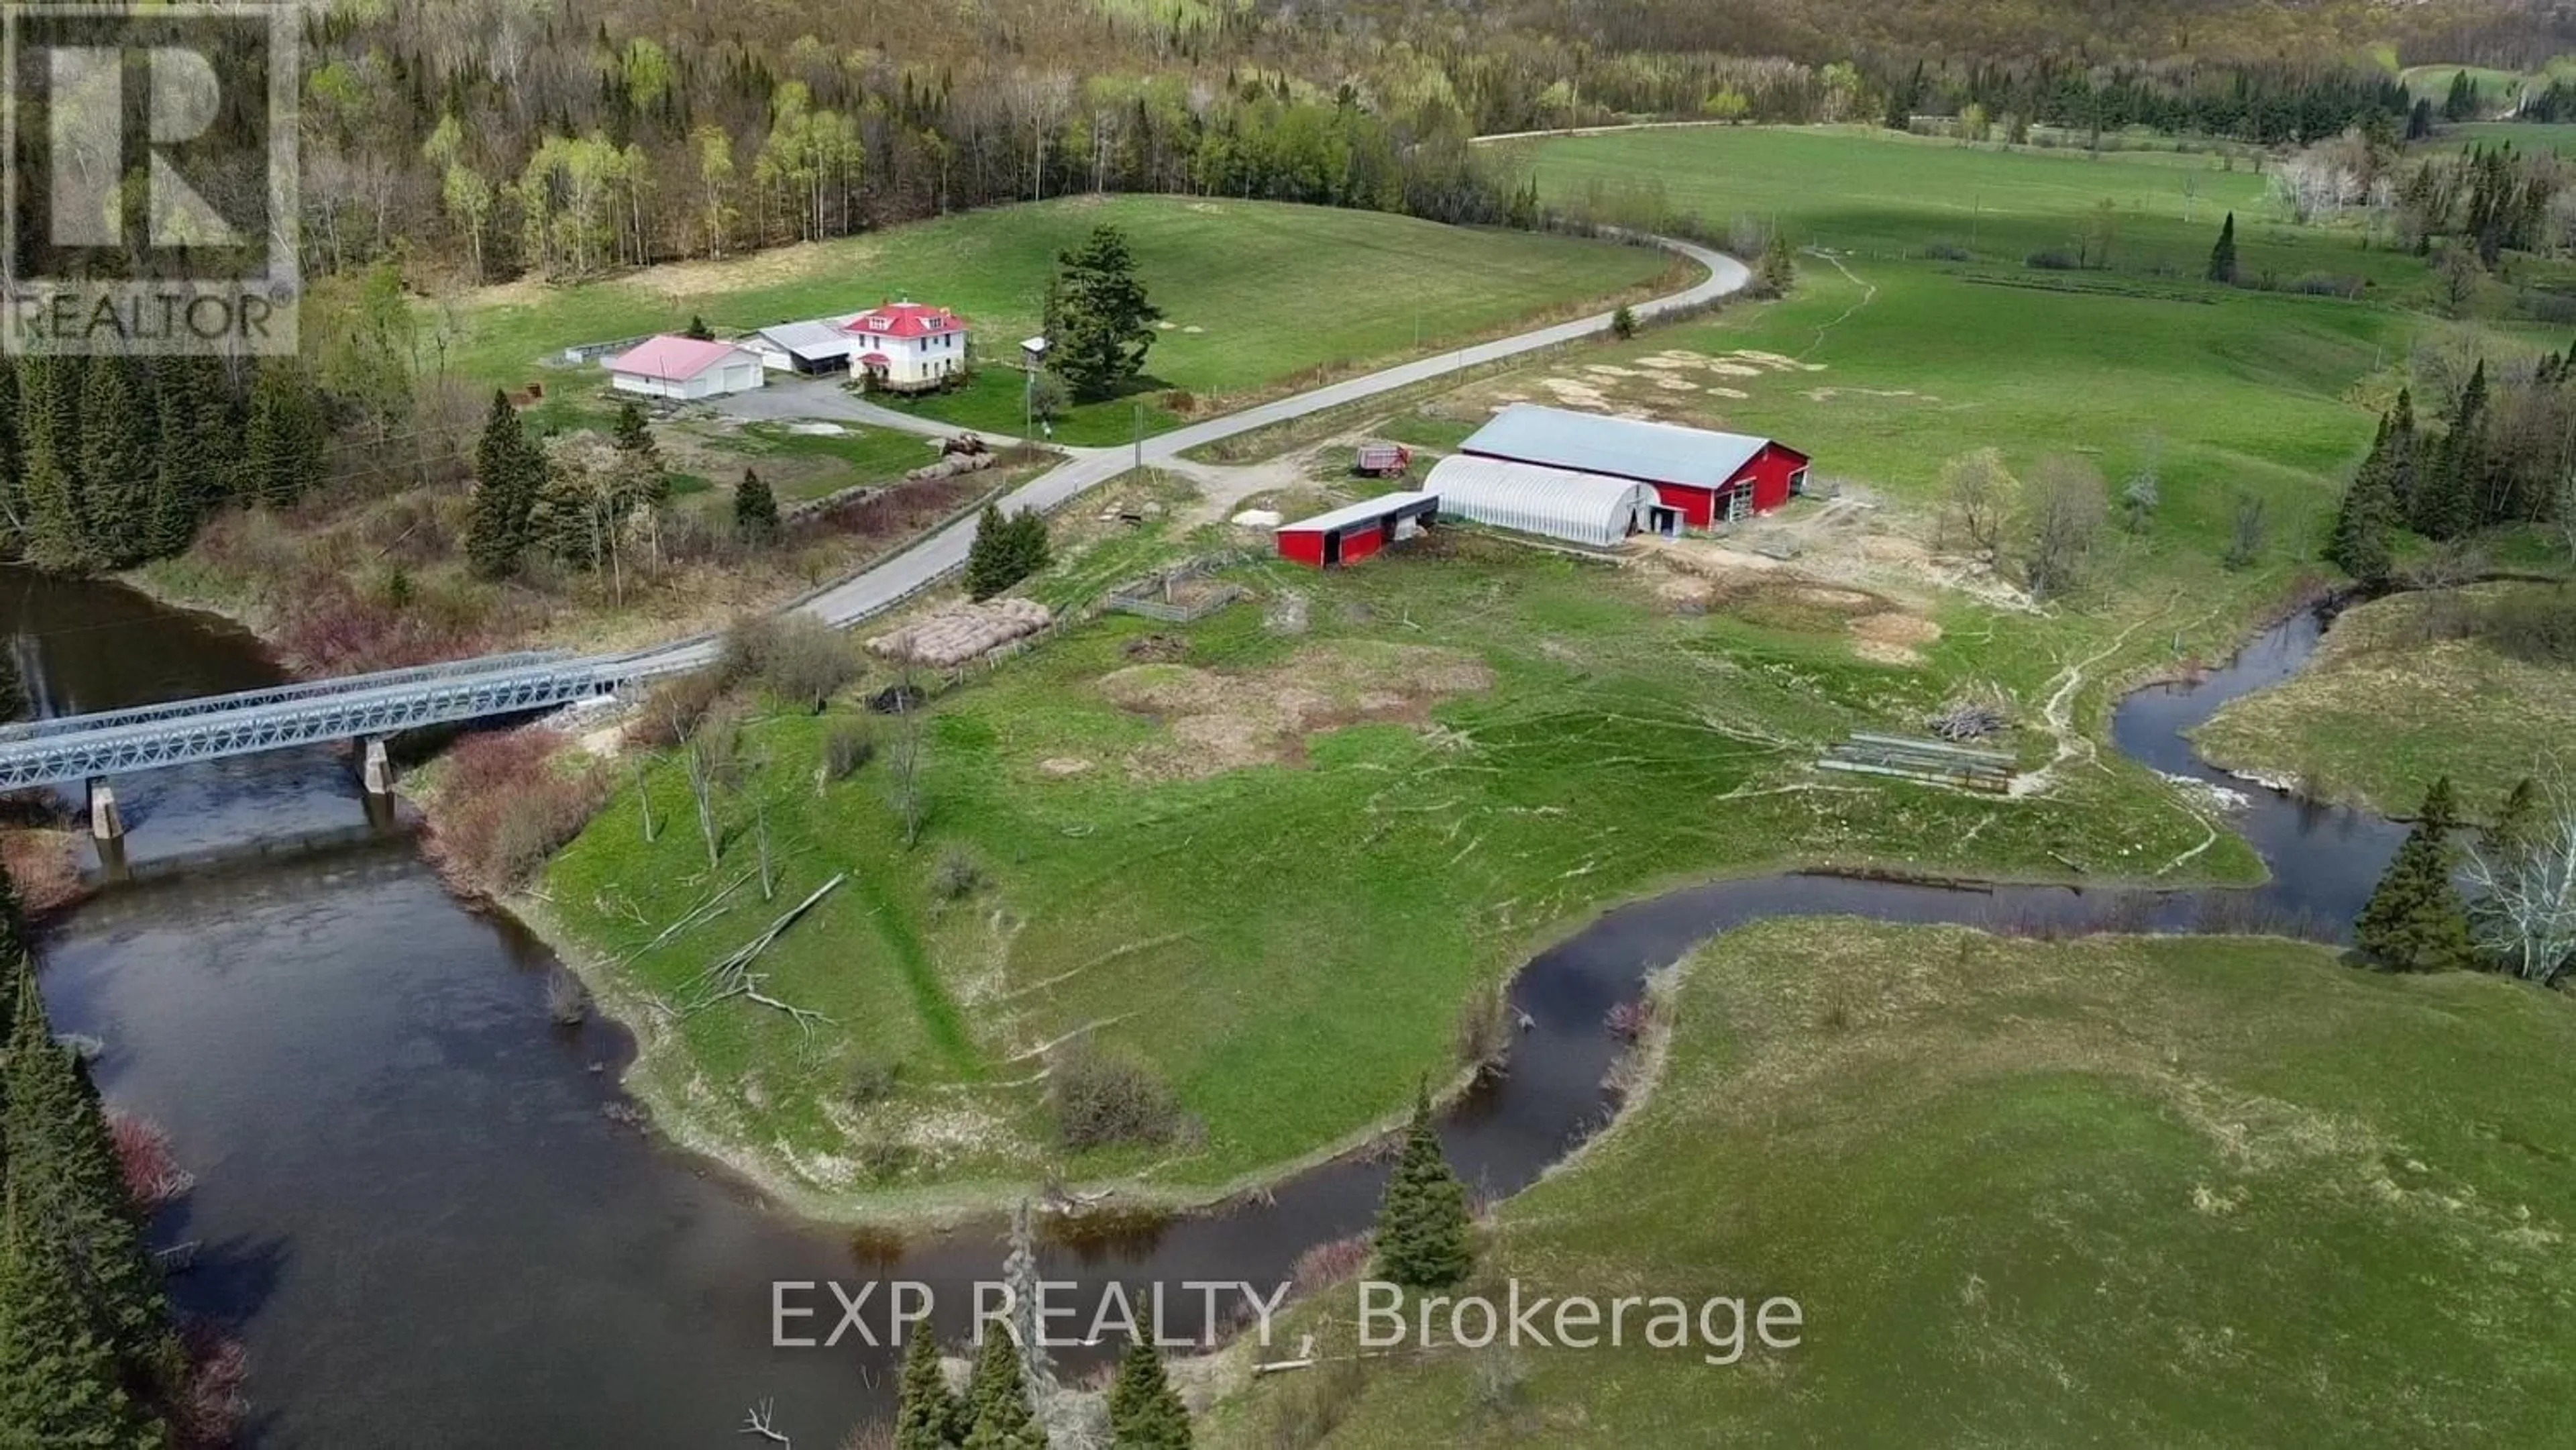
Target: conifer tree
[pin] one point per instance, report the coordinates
(49, 440)
(1098, 320)
(988, 559)
(634, 434)
(999, 1400)
(1422, 1220)
(755, 508)
(1779, 263)
(115, 462)
(2360, 544)
(14, 704)
(60, 1385)
(928, 1416)
(1029, 549)
(2416, 920)
(2222, 257)
(179, 465)
(64, 1171)
(507, 472)
(2405, 455)
(1145, 1412)
(2517, 818)
(283, 442)
(2447, 499)
(13, 496)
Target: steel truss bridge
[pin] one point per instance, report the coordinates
(115, 742)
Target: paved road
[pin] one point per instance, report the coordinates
(799, 399)
(924, 564)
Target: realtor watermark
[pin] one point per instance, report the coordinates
(1721, 1329)
(151, 178)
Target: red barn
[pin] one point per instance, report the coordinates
(1701, 478)
(1348, 535)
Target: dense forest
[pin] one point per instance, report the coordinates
(487, 139)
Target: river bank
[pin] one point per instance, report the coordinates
(377, 1049)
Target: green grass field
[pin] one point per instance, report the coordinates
(1589, 743)
(2395, 700)
(1115, 792)
(1886, 196)
(1255, 292)
(2118, 1191)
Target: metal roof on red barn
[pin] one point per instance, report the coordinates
(1619, 447)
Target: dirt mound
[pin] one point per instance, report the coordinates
(1824, 598)
(1225, 721)
(1880, 652)
(1156, 648)
(1896, 627)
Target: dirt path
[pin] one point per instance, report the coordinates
(1868, 295)
(2059, 713)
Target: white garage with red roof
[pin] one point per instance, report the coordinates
(684, 368)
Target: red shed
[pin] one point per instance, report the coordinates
(1348, 535)
(1701, 477)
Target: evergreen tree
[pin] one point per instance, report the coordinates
(14, 952)
(2461, 104)
(2416, 920)
(1145, 1412)
(634, 434)
(1099, 324)
(2405, 455)
(998, 1399)
(1623, 323)
(284, 442)
(698, 331)
(928, 1416)
(1029, 548)
(1422, 1220)
(507, 473)
(13, 495)
(2360, 544)
(989, 558)
(2517, 818)
(116, 451)
(179, 465)
(60, 1385)
(2448, 495)
(14, 704)
(64, 1171)
(49, 438)
(755, 508)
(2222, 257)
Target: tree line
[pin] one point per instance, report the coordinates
(90, 1354)
(2518, 915)
(2501, 452)
(106, 462)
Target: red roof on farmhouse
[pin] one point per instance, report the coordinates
(672, 357)
(907, 319)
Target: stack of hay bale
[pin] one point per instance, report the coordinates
(954, 636)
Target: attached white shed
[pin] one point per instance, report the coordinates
(1553, 503)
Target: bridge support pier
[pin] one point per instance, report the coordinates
(378, 771)
(105, 823)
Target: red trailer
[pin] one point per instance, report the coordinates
(1348, 535)
(1385, 460)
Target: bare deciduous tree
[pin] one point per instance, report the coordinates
(1977, 494)
(709, 756)
(908, 765)
(2523, 911)
(2068, 502)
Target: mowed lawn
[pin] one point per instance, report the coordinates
(2116, 1191)
(1255, 292)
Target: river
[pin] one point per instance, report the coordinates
(421, 1205)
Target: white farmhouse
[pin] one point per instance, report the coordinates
(685, 368)
(907, 346)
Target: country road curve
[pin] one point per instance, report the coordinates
(893, 580)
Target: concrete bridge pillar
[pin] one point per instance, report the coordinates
(104, 822)
(379, 769)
